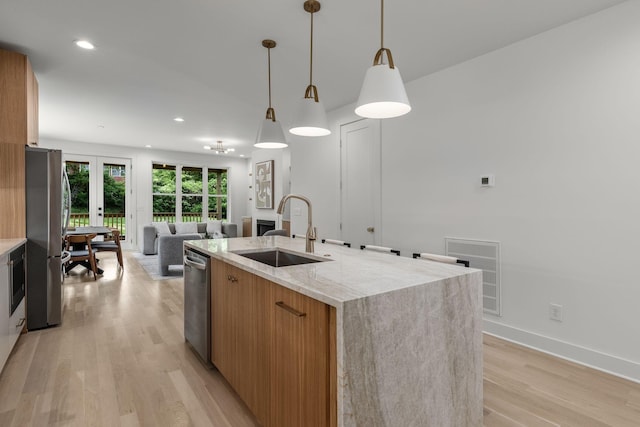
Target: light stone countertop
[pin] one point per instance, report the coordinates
(7, 245)
(348, 274)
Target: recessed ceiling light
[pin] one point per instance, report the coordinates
(85, 44)
(147, 146)
(241, 155)
(178, 119)
(207, 147)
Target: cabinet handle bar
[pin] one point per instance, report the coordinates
(291, 310)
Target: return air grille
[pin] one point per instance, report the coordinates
(483, 255)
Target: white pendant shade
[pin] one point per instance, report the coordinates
(311, 119)
(382, 95)
(270, 135)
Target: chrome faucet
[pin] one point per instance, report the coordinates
(311, 230)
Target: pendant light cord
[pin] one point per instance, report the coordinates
(311, 53)
(311, 6)
(381, 24)
(379, 58)
(269, 74)
(271, 114)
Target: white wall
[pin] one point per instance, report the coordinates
(281, 162)
(142, 161)
(556, 119)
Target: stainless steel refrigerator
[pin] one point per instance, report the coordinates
(45, 186)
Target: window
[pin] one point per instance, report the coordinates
(192, 194)
(217, 190)
(164, 193)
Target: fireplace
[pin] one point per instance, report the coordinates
(263, 225)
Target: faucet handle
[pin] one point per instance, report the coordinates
(314, 234)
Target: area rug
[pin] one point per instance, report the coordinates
(150, 264)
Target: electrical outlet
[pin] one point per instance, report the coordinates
(555, 312)
(297, 212)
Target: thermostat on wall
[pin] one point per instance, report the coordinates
(487, 181)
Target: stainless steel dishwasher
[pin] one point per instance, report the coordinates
(197, 303)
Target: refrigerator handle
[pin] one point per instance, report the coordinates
(68, 187)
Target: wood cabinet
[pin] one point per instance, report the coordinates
(18, 100)
(12, 191)
(299, 351)
(246, 226)
(276, 348)
(239, 334)
(18, 127)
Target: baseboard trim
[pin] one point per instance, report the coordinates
(608, 363)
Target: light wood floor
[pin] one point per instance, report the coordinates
(119, 358)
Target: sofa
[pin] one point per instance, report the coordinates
(169, 246)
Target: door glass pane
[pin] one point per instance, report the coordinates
(78, 173)
(192, 194)
(164, 193)
(114, 194)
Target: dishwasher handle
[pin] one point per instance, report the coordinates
(196, 265)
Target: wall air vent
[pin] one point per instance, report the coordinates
(484, 255)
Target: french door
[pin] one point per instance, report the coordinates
(101, 193)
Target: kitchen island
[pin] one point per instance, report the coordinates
(403, 336)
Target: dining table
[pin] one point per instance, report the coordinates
(90, 229)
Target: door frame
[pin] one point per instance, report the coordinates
(96, 191)
(376, 170)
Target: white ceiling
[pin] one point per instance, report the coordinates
(203, 59)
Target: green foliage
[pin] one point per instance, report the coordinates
(164, 181)
(114, 194)
(79, 183)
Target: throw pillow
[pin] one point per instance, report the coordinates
(214, 228)
(161, 228)
(186, 227)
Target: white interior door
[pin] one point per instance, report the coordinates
(360, 182)
(104, 198)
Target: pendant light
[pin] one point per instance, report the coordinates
(382, 95)
(311, 119)
(270, 134)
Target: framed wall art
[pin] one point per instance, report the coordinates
(264, 185)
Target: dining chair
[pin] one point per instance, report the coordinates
(441, 258)
(336, 242)
(81, 253)
(111, 243)
(379, 249)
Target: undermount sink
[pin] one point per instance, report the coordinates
(278, 257)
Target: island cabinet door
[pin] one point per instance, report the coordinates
(239, 341)
(300, 363)
(224, 320)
